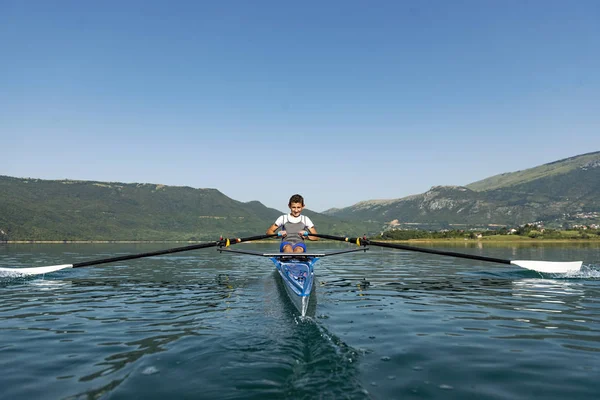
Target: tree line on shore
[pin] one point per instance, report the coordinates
(531, 231)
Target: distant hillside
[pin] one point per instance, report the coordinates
(35, 209)
(565, 191)
(562, 192)
(555, 168)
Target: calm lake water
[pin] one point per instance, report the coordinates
(383, 325)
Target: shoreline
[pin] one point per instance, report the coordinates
(95, 241)
(503, 240)
(512, 240)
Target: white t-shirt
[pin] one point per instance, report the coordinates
(294, 220)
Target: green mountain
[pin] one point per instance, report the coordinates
(553, 169)
(35, 209)
(562, 192)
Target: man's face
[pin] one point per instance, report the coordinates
(296, 209)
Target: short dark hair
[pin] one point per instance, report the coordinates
(296, 199)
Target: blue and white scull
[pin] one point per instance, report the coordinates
(296, 271)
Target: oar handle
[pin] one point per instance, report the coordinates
(359, 241)
(227, 242)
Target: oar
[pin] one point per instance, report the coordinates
(52, 268)
(555, 267)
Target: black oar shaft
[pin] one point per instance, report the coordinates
(365, 241)
(142, 255)
(439, 252)
(221, 242)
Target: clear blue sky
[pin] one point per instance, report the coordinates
(340, 101)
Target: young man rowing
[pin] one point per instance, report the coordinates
(294, 227)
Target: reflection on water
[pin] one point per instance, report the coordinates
(548, 290)
(548, 295)
(202, 328)
(524, 244)
(386, 324)
(558, 309)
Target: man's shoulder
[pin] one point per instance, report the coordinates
(305, 218)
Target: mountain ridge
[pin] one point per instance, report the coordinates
(562, 166)
(37, 209)
(557, 193)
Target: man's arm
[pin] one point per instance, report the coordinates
(312, 230)
(272, 229)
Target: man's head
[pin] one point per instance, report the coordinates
(296, 205)
(296, 199)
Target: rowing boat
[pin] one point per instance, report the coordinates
(297, 274)
(296, 271)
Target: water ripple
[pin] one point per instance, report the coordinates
(381, 325)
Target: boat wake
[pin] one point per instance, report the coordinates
(327, 353)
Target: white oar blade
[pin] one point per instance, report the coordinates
(34, 270)
(551, 267)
